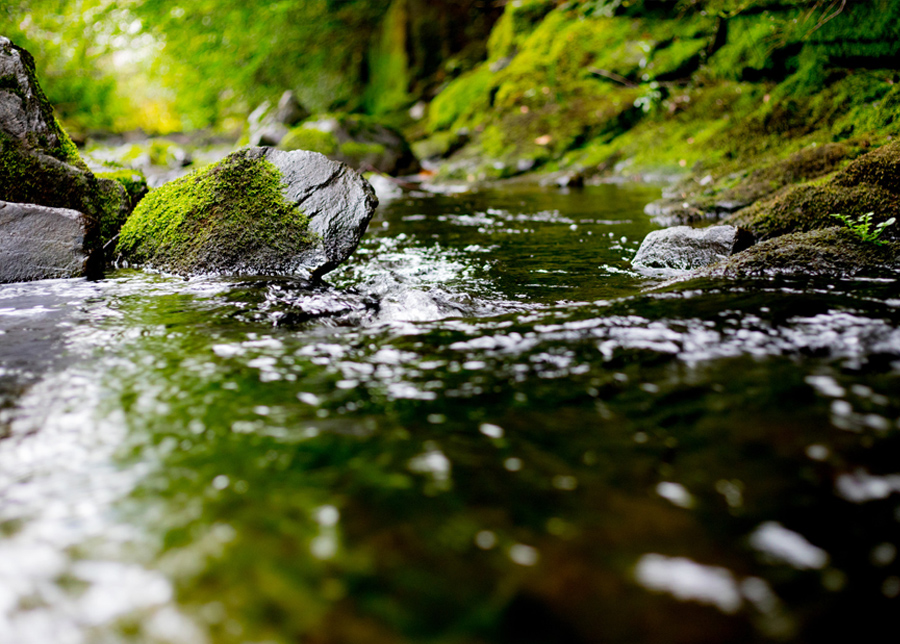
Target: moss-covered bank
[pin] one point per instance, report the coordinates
(667, 86)
(230, 217)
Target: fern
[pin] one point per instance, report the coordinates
(862, 227)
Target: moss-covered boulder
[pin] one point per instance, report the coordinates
(359, 141)
(827, 252)
(259, 211)
(870, 183)
(40, 165)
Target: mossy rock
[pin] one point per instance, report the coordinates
(39, 164)
(259, 211)
(310, 138)
(868, 184)
(827, 252)
(132, 180)
(697, 199)
(121, 190)
(880, 167)
(359, 141)
(229, 218)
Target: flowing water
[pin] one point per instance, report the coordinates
(490, 430)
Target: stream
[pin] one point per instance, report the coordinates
(491, 429)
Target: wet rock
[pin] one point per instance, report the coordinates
(260, 211)
(685, 248)
(358, 141)
(270, 124)
(826, 252)
(40, 165)
(38, 242)
(673, 212)
(289, 111)
(570, 180)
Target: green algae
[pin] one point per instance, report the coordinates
(215, 219)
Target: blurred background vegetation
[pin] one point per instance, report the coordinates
(165, 66)
(518, 83)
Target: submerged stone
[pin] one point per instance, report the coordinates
(38, 242)
(686, 248)
(259, 211)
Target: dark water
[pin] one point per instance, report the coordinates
(494, 431)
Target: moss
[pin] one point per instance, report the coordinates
(466, 97)
(358, 152)
(28, 177)
(826, 252)
(308, 138)
(388, 87)
(519, 19)
(809, 206)
(229, 216)
(9, 83)
(880, 168)
(134, 182)
(116, 206)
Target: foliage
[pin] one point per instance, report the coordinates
(862, 227)
(71, 42)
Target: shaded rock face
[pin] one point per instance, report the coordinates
(357, 141)
(337, 200)
(40, 165)
(38, 242)
(269, 125)
(260, 211)
(684, 248)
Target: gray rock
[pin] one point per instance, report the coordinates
(269, 125)
(360, 142)
(25, 114)
(264, 129)
(338, 201)
(37, 242)
(290, 111)
(40, 163)
(236, 234)
(685, 248)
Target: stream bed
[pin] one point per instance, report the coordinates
(491, 429)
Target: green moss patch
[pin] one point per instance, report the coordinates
(230, 217)
(826, 252)
(871, 183)
(307, 138)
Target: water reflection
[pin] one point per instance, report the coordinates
(484, 435)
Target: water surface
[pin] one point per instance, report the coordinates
(490, 430)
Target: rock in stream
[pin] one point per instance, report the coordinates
(685, 248)
(259, 211)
